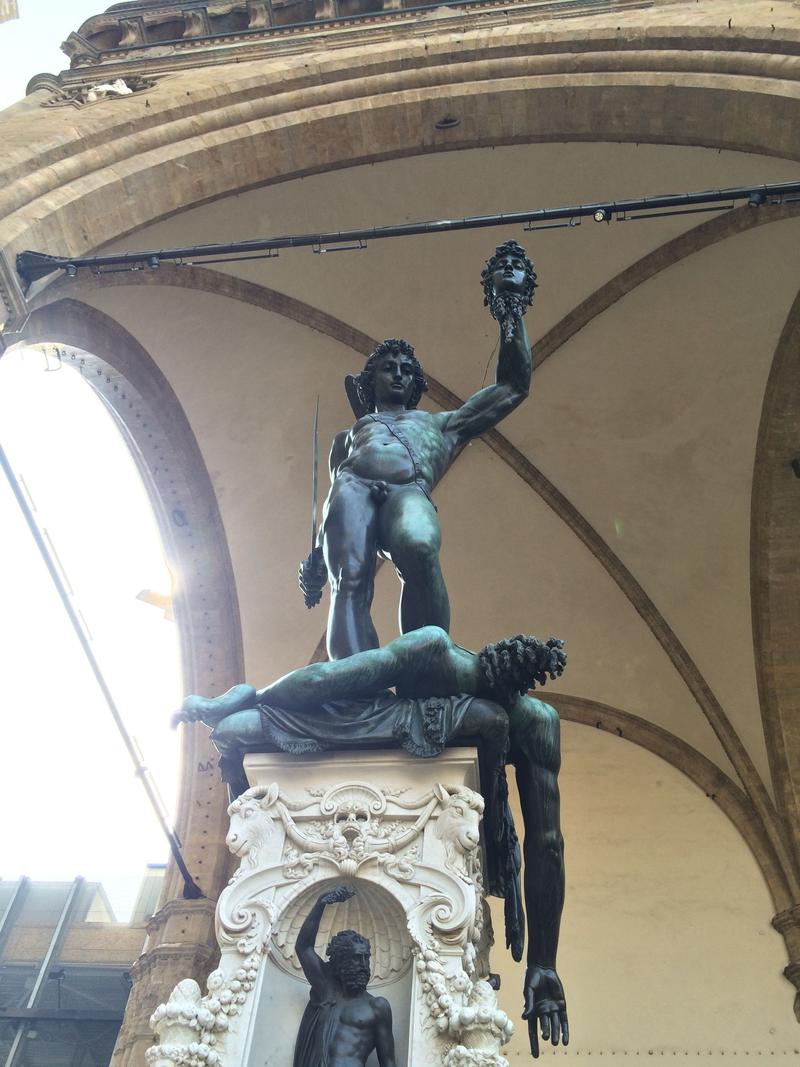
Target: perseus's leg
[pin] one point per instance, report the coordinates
(349, 543)
(409, 531)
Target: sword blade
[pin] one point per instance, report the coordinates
(314, 477)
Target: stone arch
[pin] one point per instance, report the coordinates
(509, 87)
(775, 572)
(686, 244)
(716, 785)
(166, 452)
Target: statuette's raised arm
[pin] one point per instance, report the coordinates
(312, 964)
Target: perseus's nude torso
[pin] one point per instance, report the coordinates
(370, 450)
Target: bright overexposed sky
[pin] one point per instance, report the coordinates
(70, 800)
(31, 44)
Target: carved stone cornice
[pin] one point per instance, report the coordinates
(209, 31)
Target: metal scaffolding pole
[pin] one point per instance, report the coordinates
(11, 913)
(53, 949)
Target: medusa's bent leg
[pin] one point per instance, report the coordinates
(233, 736)
(365, 674)
(238, 730)
(212, 710)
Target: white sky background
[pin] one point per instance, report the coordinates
(70, 802)
(31, 44)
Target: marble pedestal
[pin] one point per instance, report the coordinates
(405, 833)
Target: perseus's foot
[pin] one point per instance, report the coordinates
(212, 710)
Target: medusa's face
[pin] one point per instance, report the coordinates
(508, 274)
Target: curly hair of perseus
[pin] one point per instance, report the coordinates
(344, 944)
(505, 249)
(516, 665)
(365, 381)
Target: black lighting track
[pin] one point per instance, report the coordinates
(31, 266)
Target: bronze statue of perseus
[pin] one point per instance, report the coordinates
(384, 468)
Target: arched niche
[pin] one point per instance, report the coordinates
(376, 914)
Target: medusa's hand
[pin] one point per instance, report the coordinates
(545, 1006)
